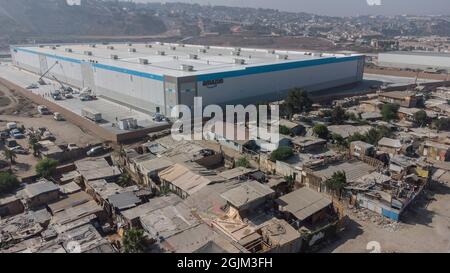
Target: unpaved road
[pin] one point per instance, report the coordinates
(64, 132)
(426, 228)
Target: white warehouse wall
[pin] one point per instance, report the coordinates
(413, 61)
(275, 83)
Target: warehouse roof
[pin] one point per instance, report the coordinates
(167, 59)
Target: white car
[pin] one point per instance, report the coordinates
(19, 150)
(72, 146)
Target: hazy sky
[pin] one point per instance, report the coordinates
(338, 7)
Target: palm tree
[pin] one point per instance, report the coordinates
(124, 180)
(11, 156)
(134, 241)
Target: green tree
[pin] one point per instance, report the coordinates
(297, 101)
(339, 140)
(321, 131)
(8, 183)
(420, 118)
(11, 156)
(33, 142)
(124, 180)
(337, 181)
(338, 115)
(389, 111)
(284, 130)
(243, 162)
(442, 124)
(281, 153)
(373, 136)
(134, 241)
(46, 167)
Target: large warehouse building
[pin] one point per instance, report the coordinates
(415, 60)
(155, 77)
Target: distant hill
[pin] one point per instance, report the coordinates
(56, 17)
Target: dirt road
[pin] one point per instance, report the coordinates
(425, 228)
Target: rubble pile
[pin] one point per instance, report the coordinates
(381, 221)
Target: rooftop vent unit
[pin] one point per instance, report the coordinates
(193, 56)
(173, 48)
(53, 47)
(202, 50)
(92, 45)
(161, 53)
(148, 46)
(317, 54)
(187, 68)
(130, 44)
(57, 45)
(114, 57)
(181, 45)
(105, 43)
(132, 50)
(143, 61)
(68, 50)
(308, 53)
(271, 51)
(159, 43)
(41, 46)
(89, 53)
(235, 53)
(282, 57)
(206, 47)
(110, 47)
(239, 61)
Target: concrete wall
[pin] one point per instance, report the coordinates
(413, 61)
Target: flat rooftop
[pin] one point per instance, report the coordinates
(167, 58)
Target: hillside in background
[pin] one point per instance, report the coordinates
(55, 17)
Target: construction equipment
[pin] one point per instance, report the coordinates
(41, 81)
(64, 89)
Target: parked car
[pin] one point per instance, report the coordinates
(47, 135)
(18, 136)
(32, 86)
(96, 151)
(43, 110)
(11, 125)
(58, 117)
(10, 143)
(19, 150)
(68, 96)
(4, 135)
(72, 147)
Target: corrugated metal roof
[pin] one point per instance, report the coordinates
(303, 202)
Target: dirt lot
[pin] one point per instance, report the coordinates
(425, 227)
